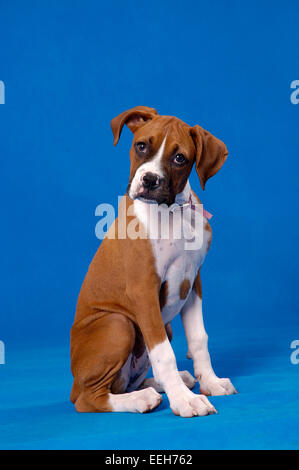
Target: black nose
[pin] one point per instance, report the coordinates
(150, 181)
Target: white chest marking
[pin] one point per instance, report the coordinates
(174, 263)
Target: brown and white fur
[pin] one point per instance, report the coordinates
(135, 287)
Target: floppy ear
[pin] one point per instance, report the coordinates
(134, 118)
(211, 153)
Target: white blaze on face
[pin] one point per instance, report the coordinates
(153, 166)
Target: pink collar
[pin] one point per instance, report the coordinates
(194, 207)
(206, 214)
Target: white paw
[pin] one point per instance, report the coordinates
(188, 379)
(216, 386)
(190, 404)
(146, 400)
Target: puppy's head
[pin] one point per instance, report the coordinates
(163, 152)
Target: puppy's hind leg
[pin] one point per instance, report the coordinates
(140, 401)
(187, 378)
(99, 351)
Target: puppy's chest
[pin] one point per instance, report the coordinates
(177, 269)
(177, 258)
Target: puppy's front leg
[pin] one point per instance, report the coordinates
(148, 316)
(182, 401)
(142, 289)
(197, 339)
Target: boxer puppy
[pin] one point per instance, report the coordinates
(137, 284)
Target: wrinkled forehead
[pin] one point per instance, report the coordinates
(177, 133)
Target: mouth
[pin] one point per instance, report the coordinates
(150, 196)
(146, 195)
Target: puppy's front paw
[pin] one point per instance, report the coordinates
(216, 386)
(189, 404)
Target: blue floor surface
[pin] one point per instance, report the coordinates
(35, 412)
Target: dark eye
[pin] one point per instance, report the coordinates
(141, 146)
(179, 159)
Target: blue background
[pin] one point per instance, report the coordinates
(69, 67)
